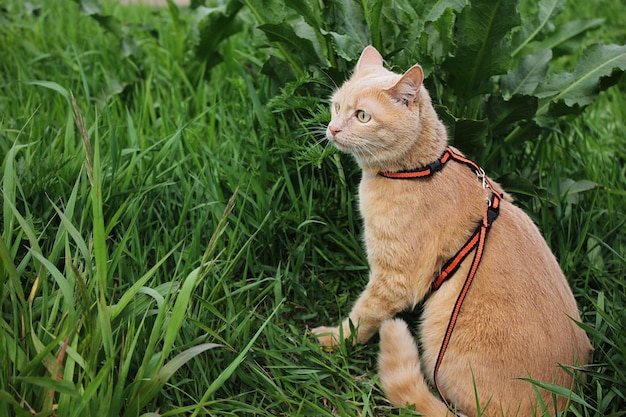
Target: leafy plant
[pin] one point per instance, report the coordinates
(492, 69)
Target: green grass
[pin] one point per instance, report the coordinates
(169, 257)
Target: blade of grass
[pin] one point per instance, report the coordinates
(69, 301)
(130, 294)
(560, 391)
(61, 386)
(92, 161)
(7, 267)
(219, 381)
(154, 385)
(104, 373)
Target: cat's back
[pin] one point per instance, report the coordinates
(519, 311)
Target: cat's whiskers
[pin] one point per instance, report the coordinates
(320, 135)
(332, 87)
(371, 152)
(321, 139)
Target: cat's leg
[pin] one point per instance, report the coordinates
(400, 372)
(381, 300)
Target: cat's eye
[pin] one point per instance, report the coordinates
(336, 107)
(363, 116)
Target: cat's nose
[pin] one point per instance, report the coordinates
(333, 130)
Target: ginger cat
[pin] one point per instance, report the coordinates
(516, 320)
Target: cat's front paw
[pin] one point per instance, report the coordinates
(327, 336)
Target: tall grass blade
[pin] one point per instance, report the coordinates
(60, 386)
(151, 388)
(131, 293)
(560, 391)
(66, 288)
(104, 375)
(219, 381)
(7, 267)
(52, 85)
(75, 234)
(9, 186)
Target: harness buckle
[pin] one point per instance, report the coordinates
(435, 166)
(480, 173)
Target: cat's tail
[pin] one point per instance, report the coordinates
(400, 373)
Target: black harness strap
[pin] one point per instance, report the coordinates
(475, 242)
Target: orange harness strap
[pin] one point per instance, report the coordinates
(475, 242)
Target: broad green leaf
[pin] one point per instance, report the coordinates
(278, 69)
(503, 114)
(570, 187)
(345, 45)
(467, 134)
(438, 39)
(431, 12)
(483, 49)
(594, 253)
(581, 87)
(565, 34)
(174, 11)
(268, 11)
(295, 46)
(93, 9)
(521, 185)
(305, 9)
(470, 134)
(347, 17)
(373, 16)
(209, 27)
(89, 7)
(531, 71)
(534, 26)
(109, 23)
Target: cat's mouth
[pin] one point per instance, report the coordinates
(339, 144)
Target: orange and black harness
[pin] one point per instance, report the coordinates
(475, 242)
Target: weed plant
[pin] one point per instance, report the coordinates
(170, 231)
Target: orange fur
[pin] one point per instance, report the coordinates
(516, 321)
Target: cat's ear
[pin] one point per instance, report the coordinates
(406, 90)
(369, 57)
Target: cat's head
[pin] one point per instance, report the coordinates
(379, 116)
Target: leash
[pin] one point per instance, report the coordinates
(475, 242)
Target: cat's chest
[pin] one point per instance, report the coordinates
(390, 207)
